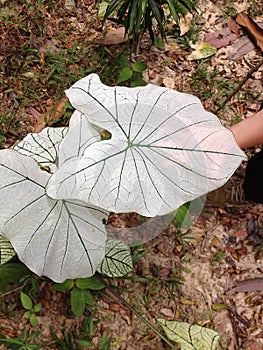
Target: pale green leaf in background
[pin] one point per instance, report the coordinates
(7, 251)
(190, 336)
(202, 50)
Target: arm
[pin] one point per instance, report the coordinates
(249, 132)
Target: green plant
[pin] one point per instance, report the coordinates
(31, 309)
(139, 16)
(12, 273)
(70, 341)
(131, 75)
(80, 292)
(27, 341)
(151, 146)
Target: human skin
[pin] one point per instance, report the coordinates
(249, 132)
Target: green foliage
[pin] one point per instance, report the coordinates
(12, 273)
(31, 309)
(80, 292)
(27, 341)
(130, 75)
(139, 16)
(84, 339)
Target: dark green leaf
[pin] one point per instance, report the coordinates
(124, 75)
(86, 343)
(159, 43)
(89, 299)
(89, 283)
(139, 67)
(77, 298)
(26, 301)
(33, 320)
(37, 307)
(112, 7)
(66, 285)
(138, 82)
(182, 217)
(12, 272)
(27, 314)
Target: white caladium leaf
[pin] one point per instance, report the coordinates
(43, 146)
(117, 261)
(165, 150)
(80, 135)
(55, 238)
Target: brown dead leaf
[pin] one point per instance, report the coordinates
(168, 313)
(253, 28)
(250, 285)
(220, 38)
(185, 23)
(255, 346)
(169, 82)
(52, 116)
(234, 27)
(45, 46)
(240, 48)
(114, 37)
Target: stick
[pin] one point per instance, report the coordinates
(248, 76)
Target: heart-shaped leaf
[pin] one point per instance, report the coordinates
(165, 150)
(117, 261)
(190, 336)
(59, 239)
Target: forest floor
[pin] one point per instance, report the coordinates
(189, 274)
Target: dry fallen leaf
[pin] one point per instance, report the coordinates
(234, 27)
(202, 50)
(250, 285)
(53, 115)
(240, 48)
(220, 38)
(185, 23)
(253, 28)
(169, 82)
(114, 37)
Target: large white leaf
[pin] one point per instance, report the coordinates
(43, 146)
(80, 135)
(165, 150)
(59, 239)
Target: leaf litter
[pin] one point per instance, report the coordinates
(208, 260)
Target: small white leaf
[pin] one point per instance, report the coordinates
(117, 261)
(7, 252)
(43, 146)
(190, 336)
(165, 150)
(58, 239)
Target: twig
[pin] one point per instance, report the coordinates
(248, 76)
